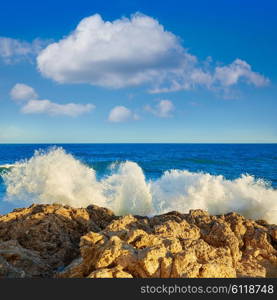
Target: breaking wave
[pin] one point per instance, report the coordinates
(5, 167)
(56, 176)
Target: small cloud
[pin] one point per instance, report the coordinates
(23, 92)
(122, 114)
(238, 69)
(163, 109)
(55, 109)
(32, 105)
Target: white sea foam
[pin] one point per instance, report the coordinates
(56, 176)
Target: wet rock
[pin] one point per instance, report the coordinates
(23, 262)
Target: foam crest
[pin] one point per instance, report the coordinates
(56, 176)
(184, 190)
(53, 176)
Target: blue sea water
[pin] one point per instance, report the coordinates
(228, 160)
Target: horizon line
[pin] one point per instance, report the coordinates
(98, 143)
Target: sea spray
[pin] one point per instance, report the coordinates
(184, 190)
(56, 176)
(126, 190)
(53, 176)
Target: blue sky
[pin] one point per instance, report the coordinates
(138, 71)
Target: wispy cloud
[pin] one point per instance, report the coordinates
(55, 109)
(13, 50)
(217, 79)
(163, 109)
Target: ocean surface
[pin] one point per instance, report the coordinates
(142, 178)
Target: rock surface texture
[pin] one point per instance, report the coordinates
(64, 242)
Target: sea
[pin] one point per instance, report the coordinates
(143, 179)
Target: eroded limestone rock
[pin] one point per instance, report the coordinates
(60, 241)
(52, 231)
(179, 245)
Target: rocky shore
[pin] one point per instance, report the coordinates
(64, 242)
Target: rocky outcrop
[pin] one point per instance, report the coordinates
(48, 234)
(59, 241)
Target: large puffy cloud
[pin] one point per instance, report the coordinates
(13, 50)
(52, 108)
(134, 51)
(22, 91)
(121, 114)
(31, 105)
(163, 109)
(114, 54)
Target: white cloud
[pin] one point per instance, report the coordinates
(135, 51)
(28, 95)
(218, 79)
(114, 54)
(53, 109)
(238, 69)
(13, 50)
(122, 114)
(163, 109)
(22, 91)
